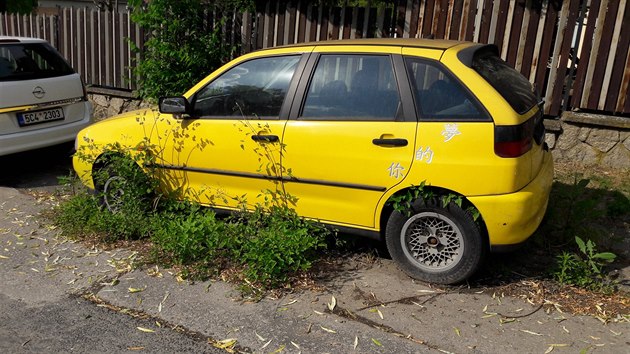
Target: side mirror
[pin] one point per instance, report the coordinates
(174, 105)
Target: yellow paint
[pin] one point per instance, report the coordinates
(338, 175)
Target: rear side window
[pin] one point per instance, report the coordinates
(352, 87)
(29, 61)
(513, 86)
(438, 95)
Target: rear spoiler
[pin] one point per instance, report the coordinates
(467, 55)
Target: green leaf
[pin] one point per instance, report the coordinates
(608, 256)
(580, 244)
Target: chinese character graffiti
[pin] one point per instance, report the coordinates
(424, 154)
(396, 170)
(450, 131)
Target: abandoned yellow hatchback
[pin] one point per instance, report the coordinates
(434, 146)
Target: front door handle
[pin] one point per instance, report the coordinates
(390, 142)
(266, 138)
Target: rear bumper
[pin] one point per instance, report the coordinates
(35, 139)
(512, 218)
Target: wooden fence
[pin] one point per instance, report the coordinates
(576, 52)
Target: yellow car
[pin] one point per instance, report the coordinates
(434, 146)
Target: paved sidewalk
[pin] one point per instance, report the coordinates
(378, 309)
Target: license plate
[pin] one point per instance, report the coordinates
(36, 117)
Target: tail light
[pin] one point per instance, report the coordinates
(514, 140)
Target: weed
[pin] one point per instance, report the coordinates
(584, 269)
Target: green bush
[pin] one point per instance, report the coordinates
(268, 245)
(277, 243)
(182, 46)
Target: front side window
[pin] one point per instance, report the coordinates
(352, 87)
(438, 95)
(30, 61)
(253, 89)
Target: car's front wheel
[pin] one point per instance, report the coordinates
(121, 182)
(435, 244)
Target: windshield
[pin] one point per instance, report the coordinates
(29, 61)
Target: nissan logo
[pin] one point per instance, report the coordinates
(39, 92)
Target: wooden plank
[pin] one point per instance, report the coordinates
(515, 32)
(353, 23)
(465, 20)
(449, 19)
(322, 24)
(293, 19)
(478, 16)
(428, 18)
(602, 57)
(415, 16)
(347, 22)
(585, 54)
(439, 18)
(536, 59)
(531, 38)
(619, 21)
(407, 26)
(486, 15)
(313, 33)
(273, 40)
(359, 24)
(265, 35)
(387, 22)
(309, 16)
(301, 32)
(624, 91)
(523, 37)
(550, 22)
(366, 20)
(597, 36)
(456, 19)
(92, 72)
(288, 34)
(566, 39)
(508, 29)
(280, 27)
(380, 22)
(494, 22)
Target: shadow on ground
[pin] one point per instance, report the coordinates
(36, 168)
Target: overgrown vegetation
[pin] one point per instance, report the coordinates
(185, 44)
(265, 247)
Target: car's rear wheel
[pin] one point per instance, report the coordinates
(435, 244)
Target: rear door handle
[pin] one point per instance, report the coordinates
(390, 142)
(266, 138)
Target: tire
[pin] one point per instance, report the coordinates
(435, 244)
(115, 188)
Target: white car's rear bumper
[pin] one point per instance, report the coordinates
(46, 136)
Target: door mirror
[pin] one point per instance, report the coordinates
(174, 105)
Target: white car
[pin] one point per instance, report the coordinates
(42, 99)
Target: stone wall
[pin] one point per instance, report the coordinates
(107, 103)
(590, 139)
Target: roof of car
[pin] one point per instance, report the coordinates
(402, 42)
(10, 39)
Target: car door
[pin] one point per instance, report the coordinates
(350, 137)
(227, 153)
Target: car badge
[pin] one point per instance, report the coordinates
(39, 92)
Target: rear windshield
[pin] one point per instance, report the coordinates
(28, 61)
(513, 86)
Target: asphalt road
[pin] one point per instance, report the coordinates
(76, 325)
(34, 318)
